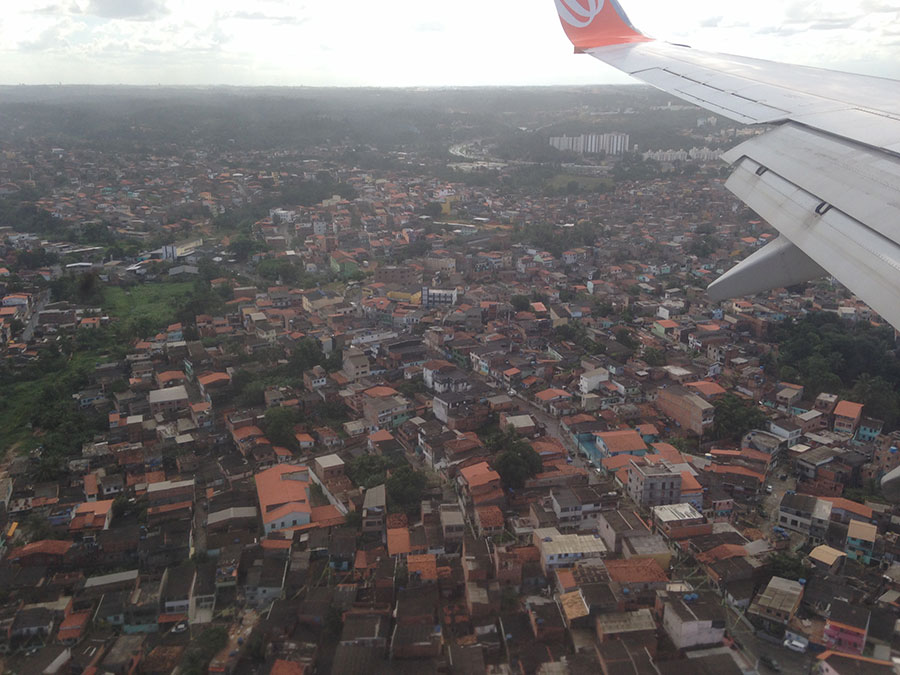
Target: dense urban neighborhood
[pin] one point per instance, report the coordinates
(445, 398)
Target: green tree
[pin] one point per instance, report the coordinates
(369, 470)
(520, 303)
(203, 648)
(243, 247)
(515, 461)
(625, 338)
(433, 210)
(353, 520)
(279, 426)
(306, 354)
(406, 487)
(878, 397)
(654, 357)
(517, 465)
(734, 417)
(788, 566)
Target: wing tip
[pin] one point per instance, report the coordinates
(596, 23)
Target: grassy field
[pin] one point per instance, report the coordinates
(562, 180)
(15, 413)
(24, 398)
(156, 301)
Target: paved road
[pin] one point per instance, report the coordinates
(200, 513)
(28, 331)
(791, 662)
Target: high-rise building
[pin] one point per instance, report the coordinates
(593, 144)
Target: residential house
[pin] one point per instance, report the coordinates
(283, 495)
(689, 410)
(564, 550)
(653, 484)
(847, 627)
(692, 620)
(861, 538)
(481, 484)
(847, 416)
(778, 602)
(374, 510)
(679, 521)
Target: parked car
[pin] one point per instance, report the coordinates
(796, 645)
(770, 663)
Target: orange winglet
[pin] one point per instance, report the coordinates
(597, 23)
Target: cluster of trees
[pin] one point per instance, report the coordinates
(404, 485)
(84, 288)
(62, 428)
(307, 353)
(555, 240)
(18, 211)
(279, 426)
(37, 258)
(734, 417)
(514, 459)
(577, 332)
(857, 361)
(202, 649)
(243, 246)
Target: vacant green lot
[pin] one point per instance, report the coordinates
(158, 302)
(24, 399)
(562, 180)
(154, 304)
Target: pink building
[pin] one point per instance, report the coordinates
(847, 627)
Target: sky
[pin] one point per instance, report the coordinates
(408, 42)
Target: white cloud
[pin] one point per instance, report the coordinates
(407, 42)
(127, 9)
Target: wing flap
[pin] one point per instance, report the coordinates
(857, 180)
(776, 264)
(865, 261)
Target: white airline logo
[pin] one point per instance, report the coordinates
(579, 13)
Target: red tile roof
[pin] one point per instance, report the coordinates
(635, 571)
(42, 547)
(279, 493)
(689, 483)
(848, 409)
(627, 440)
(851, 506)
(550, 394)
(479, 474)
(425, 565)
(490, 516)
(398, 541)
(706, 387)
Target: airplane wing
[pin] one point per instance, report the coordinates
(826, 175)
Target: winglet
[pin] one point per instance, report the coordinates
(596, 23)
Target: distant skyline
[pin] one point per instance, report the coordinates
(406, 42)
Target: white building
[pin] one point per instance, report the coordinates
(592, 144)
(591, 380)
(564, 550)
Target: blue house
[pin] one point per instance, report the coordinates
(868, 430)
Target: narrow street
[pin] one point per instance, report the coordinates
(753, 647)
(28, 331)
